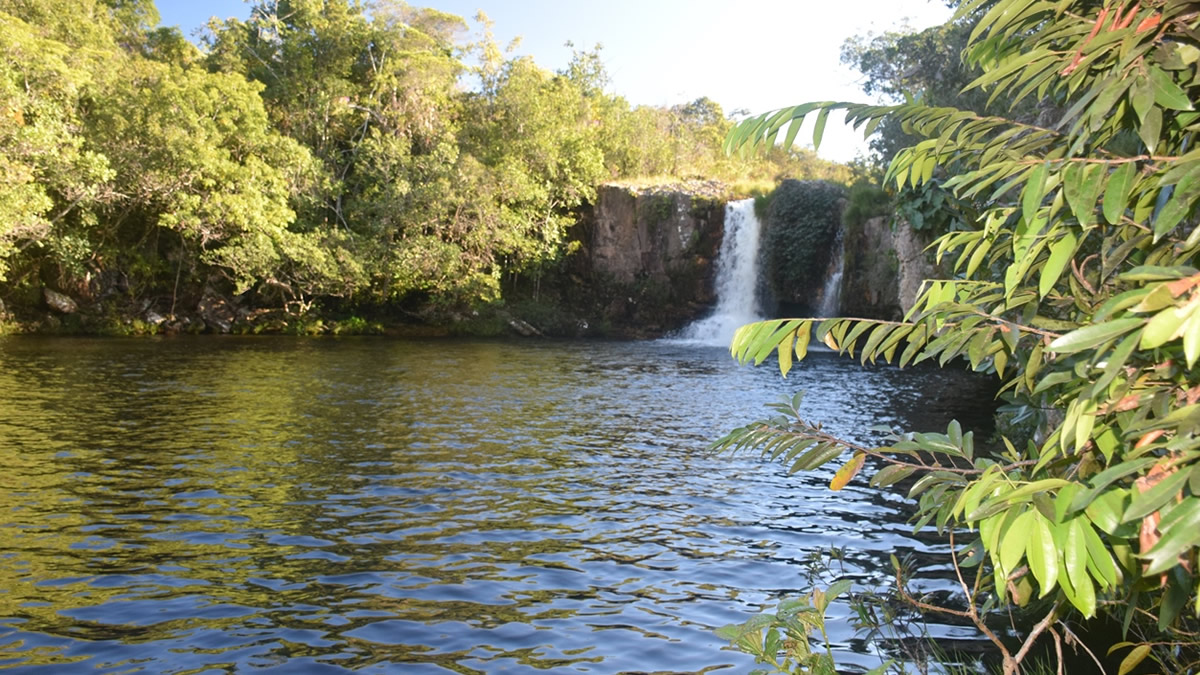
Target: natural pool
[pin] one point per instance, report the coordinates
(216, 505)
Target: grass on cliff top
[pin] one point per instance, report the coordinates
(741, 188)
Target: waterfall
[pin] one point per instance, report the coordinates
(831, 292)
(736, 282)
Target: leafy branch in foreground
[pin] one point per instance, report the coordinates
(1079, 288)
(781, 640)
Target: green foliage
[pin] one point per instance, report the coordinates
(1077, 286)
(802, 221)
(48, 176)
(865, 200)
(320, 150)
(782, 640)
(929, 207)
(920, 66)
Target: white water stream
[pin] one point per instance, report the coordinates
(831, 293)
(736, 280)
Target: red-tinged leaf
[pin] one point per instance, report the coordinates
(1148, 23)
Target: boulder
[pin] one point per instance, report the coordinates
(217, 312)
(523, 328)
(58, 302)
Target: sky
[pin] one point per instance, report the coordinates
(754, 55)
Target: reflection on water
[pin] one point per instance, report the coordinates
(212, 505)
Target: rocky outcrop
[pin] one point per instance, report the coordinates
(649, 233)
(651, 250)
(883, 268)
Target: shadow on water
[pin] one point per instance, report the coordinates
(213, 505)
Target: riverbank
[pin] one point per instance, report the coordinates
(635, 314)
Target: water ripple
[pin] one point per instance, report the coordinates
(197, 506)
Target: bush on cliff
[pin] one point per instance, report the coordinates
(802, 224)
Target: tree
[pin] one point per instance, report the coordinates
(48, 175)
(1078, 288)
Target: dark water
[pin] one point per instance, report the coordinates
(230, 505)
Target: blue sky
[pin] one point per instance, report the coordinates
(754, 54)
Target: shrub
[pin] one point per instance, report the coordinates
(802, 224)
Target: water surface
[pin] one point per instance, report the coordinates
(236, 504)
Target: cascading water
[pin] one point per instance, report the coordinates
(736, 281)
(831, 293)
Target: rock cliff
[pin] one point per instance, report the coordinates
(651, 250)
(883, 268)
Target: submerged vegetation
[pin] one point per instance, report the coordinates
(316, 159)
(1076, 285)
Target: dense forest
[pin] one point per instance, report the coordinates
(321, 158)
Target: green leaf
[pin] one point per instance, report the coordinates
(1166, 92)
(1145, 503)
(1173, 211)
(1142, 97)
(1099, 559)
(1014, 540)
(891, 474)
(793, 128)
(835, 589)
(1105, 510)
(819, 127)
(1031, 196)
(1116, 361)
(1093, 335)
(1173, 600)
(1191, 339)
(1094, 176)
(1116, 195)
(1060, 254)
(1151, 128)
(1162, 328)
(1042, 554)
(1075, 557)
(1030, 489)
(1156, 273)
